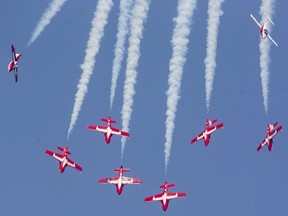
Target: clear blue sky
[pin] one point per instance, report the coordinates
(227, 178)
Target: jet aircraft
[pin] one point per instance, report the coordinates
(13, 65)
(108, 130)
(165, 196)
(63, 159)
(271, 132)
(206, 134)
(120, 180)
(263, 28)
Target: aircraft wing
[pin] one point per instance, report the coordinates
(255, 20)
(173, 195)
(263, 143)
(156, 197)
(57, 156)
(16, 74)
(212, 129)
(272, 40)
(200, 136)
(13, 52)
(112, 180)
(128, 180)
(102, 129)
(74, 165)
(116, 131)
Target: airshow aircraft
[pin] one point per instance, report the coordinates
(13, 65)
(63, 159)
(120, 180)
(205, 135)
(263, 28)
(165, 196)
(271, 132)
(108, 130)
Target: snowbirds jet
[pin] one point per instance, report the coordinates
(108, 130)
(205, 135)
(120, 180)
(63, 159)
(13, 65)
(271, 132)
(263, 28)
(165, 196)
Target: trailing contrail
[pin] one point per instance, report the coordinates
(54, 7)
(214, 13)
(97, 31)
(267, 8)
(180, 40)
(139, 16)
(123, 30)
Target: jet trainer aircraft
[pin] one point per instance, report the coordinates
(165, 196)
(120, 180)
(263, 28)
(13, 65)
(108, 130)
(271, 132)
(63, 159)
(205, 135)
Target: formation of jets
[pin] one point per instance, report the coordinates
(13, 65)
(263, 28)
(120, 180)
(165, 196)
(108, 130)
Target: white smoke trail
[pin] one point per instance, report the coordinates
(214, 13)
(97, 31)
(180, 40)
(123, 30)
(139, 16)
(267, 7)
(54, 7)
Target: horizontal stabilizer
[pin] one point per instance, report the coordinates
(107, 120)
(166, 185)
(124, 169)
(269, 19)
(64, 149)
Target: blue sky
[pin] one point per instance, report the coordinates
(227, 178)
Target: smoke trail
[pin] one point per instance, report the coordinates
(214, 13)
(54, 7)
(179, 42)
(97, 31)
(123, 29)
(139, 15)
(267, 8)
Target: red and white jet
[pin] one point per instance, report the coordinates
(271, 132)
(108, 130)
(13, 65)
(63, 159)
(120, 180)
(263, 28)
(205, 135)
(165, 196)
